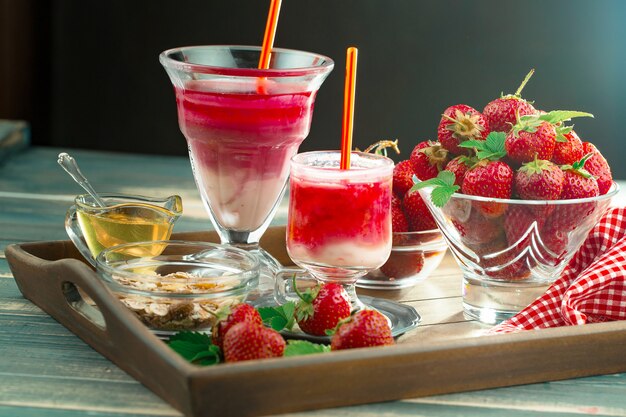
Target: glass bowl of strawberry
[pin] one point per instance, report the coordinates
(514, 218)
(175, 285)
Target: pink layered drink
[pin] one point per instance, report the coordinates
(241, 135)
(340, 221)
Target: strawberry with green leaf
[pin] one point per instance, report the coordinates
(428, 158)
(539, 180)
(536, 135)
(229, 316)
(321, 308)
(597, 166)
(459, 166)
(501, 113)
(458, 124)
(578, 182)
(568, 148)
(490, 177)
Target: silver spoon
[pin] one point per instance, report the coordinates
(71, 167)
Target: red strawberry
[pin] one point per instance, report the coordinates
(428, 159)
(520, 221)
(478, 229)
(246, 341)
(403, 177)
(403, 264)
(578, 182)
(501, 113)
(502, 261)
(597, 166)
(579, 186)
(459, 166)
(537, 134)
(568, 148)
(399, 223)
(321, 308)
(556, 231)
(364, 329)
(458, 124)
(539, 180)
(489, 179)
(237, 314)
(529, 138)
(417, 212)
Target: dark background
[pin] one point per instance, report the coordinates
(86, 74)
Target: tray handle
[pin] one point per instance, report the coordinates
(111, 329)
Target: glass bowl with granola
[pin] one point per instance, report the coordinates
(176, 285)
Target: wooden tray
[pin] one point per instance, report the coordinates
(47, 273)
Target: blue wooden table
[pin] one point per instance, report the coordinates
(47, 371)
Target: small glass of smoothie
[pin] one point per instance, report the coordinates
(339, 221)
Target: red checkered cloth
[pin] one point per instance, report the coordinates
(593, 285)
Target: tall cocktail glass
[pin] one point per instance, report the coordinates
(339, 221)
(242, 126)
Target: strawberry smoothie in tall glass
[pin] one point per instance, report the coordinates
(242, 125)
(240, 144)
(339, 224)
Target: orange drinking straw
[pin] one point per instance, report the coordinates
(348, 107)
(270, 33)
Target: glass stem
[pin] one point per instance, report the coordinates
(357, 304)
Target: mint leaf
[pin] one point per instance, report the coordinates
(304, 347)
(491, 148)
(280, 317)
(195, 347)
(443, 187)
(495, 141)
(192, 337)
(557, 116)
(211, 356)
(473, 143)
(447, 177)
(441, 195)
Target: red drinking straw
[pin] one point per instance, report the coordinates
(270, 33)
(348, 107)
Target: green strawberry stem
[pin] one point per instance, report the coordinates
(535, 167)
(579, 167)
(518, 92)
(304, 308)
